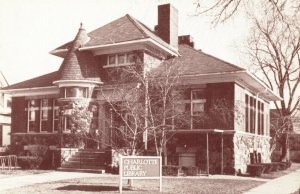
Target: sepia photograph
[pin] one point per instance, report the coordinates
(150, 96)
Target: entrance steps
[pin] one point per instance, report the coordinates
(86, 160)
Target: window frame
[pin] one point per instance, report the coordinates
(38, 110)
(255, 107)
(116, 56)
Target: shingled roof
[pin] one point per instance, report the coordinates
(193, 62)
(124, 29)
(41, 81)
(79, 65)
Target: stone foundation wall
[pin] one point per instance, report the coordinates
(244, 144)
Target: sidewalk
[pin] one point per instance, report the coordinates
(289, 183)
(19, 181)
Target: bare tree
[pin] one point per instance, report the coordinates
(274, 47)
(223, 10)
(142, 106)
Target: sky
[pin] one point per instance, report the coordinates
(30, 29)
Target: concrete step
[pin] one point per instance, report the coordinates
(89, 157)
(77, 159)
(65, 169)
(84, 166)
(84, 163)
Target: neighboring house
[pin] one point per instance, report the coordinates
(275, 121)
(90, 57)
(5, 112)
(296, 121)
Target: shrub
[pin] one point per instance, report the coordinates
(289, 164)
(268, 167)
(170, 170)
(29, 162)
(192, 171)
(282, 165)
(113, 169)
(255, 169)
(275, 166)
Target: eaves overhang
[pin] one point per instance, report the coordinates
(140, 43)
(83, 83)
(243, 78)
(50, 90)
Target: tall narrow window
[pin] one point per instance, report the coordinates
(251, 115)
(258, 109)
(55, 115)
(262, 119)
(45, 115)
(197, 108)
(254, 116)
(33, 115)
(95, 112)
(247, 113)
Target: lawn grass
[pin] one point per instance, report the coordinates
(170, 185)
(19, 172)
(109, 184)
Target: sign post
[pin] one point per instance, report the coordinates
(140, 167)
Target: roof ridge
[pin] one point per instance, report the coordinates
(195, 50)
(2, 75)
(135, 23)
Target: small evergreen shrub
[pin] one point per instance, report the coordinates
(192, 171)
(268, 167)
(170, 170)
(255, 169)
(29, 162)
(275, 166)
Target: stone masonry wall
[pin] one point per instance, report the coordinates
(244, 144)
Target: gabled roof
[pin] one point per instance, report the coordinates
(123, 29)
(41, 81)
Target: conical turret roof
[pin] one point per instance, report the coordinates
(79, 65)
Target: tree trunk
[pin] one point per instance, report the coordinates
(285, 149)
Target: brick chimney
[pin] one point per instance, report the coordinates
(186, 39)
(167, 27)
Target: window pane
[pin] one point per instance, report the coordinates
(131, 58)
(32, 115)
(44, 114)
(198, 108)
(78, 92)
(180, 108)
(33, 103)
(121, 59)
(198, 94)
(71, 92)
(111, 60)
(32, 126)
(44, 102)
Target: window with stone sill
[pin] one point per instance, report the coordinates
(39, 115)
(254, 115)
(192, 105)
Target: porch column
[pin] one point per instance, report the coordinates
(222, 154)
(102, 126)
(207, 155)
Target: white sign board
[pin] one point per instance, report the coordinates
(140, 167)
